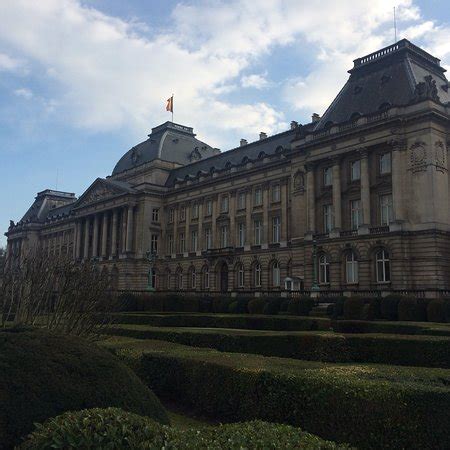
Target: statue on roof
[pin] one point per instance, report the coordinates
(426, 90)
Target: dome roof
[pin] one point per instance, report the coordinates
(169, 142)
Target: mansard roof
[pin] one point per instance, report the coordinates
(169, 142)
(252, 151)
(393, 76)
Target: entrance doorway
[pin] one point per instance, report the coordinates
(223, 274)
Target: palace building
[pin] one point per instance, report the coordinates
(357, 199)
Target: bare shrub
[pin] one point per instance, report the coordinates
(56, 293)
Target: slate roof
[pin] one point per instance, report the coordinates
(385, 78)
(169, 142)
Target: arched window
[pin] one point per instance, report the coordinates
(205, 277)
(257, 275)
(193, 278)
(383, 266)
(351, 268)
(276, 278)
(324, 269)
(240, 276)
(180, 280)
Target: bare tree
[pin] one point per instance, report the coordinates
(56, 293)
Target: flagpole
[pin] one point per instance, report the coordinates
(172, 108)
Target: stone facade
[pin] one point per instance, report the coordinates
(362, 194)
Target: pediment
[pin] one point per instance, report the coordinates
(99, 190)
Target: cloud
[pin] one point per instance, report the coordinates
(256, 81)
(9, 64)
(24, 93)
(104, 73)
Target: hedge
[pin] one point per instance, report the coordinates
(114, 428)
(426, 351)
(43, 375)
(371, 407)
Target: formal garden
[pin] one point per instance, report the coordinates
(83, 367)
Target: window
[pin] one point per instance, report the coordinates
(208, 207)
(182, 243)
(240, 276)
(171, 215)
(257, 227)
(276, 193)
(155, 215)
(183, 213)
(170, 244)
(193, 279)
(206, 277)
(327, 218)
(324, 269)
(195, 210)
(383, 267)
(257, 275)
(153, 279)
(154, 244)
(276, 274)
(194, 241)
(257, 197)
(208, 238)
(180, 280)
(351, 268)
(327, 176)
(241, 200)
(385, 163)
(241, 234)
(355, 214)
(224, 203)
(386, 211)
(224, 236)
(276, 230)
(355, 170)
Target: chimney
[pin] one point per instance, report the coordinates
(294, 125)
(243, 142)
(315, 117)
(262, 135)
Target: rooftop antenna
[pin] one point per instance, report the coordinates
(395, 26)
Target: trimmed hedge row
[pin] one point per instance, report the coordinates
(114, 428)
(218, 304)
(370, 407)
(426, 351)
(244, 321)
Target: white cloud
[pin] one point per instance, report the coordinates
(24, 93)
(257, 81)
(106, 73)
(7, 63)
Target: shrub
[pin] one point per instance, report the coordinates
(372, 308)
(242, 305)
(338, 310)
(256, 305)
(206, 304)
(389, 307)
(300, 306)
(412, 309)
(114, 428)
(371, 407)
(43, 375)
(273, 305)
(436, 311)
(220, 303)
(353, 308)
(233, 307)
(128, 302)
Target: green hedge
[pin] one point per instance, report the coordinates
(114, 428)
(43, 375)
(371, 407)
(426, 351)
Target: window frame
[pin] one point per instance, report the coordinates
(386, 167)
(276, 230)
(355, 213)
(351, 261)
(276, 274)
(257, 196)
(352, 165)
(155, 215)
(324, 269)
(257, 279)
(386, 209)
(276, 193)
(385, 262)
(327, 177)
(257, 231)
(327, 213)
(241, 234)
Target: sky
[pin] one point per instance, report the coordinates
(81, 82)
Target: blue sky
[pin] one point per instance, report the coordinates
(83, 81)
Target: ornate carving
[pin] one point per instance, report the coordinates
(398, 144)
(135, 156)
(98, 192)
(299, 181)
(426, 90)
(440, 153)
(418, 156)
(195, 155)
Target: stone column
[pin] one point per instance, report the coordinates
(284, 216)
(213, 222)
(115, 218)
(232, 231)
(130, 225)
(267, 228)
(95, 237)
(187, 236)
(77, 240)
(175, 230)
(123, 231)
(337, 207)
(248, 220)
(398, 147)
(365, 187)
(104, 235)
(200, 228)
(86, 238)
(311, 199)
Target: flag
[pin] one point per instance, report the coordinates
(169, 106)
